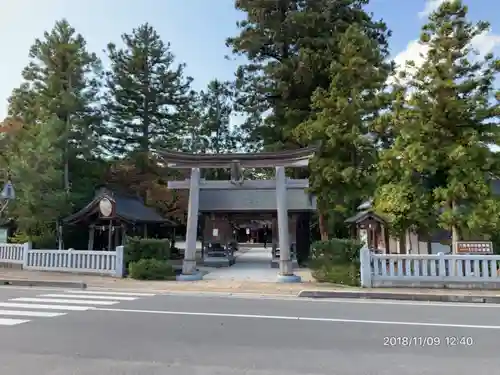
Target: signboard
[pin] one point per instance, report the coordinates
(215, 232)
(474, 247)
(106, 208)
(8, 191)
(248, 230)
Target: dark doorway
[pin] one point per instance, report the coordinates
(253, 235)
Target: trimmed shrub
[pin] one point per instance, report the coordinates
(336, 261)
(146, 248)
(344, 274)
(151, 269)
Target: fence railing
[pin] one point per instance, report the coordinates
(12, 253)
(440, 270)
(75, 261)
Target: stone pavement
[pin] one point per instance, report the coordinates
(305, 289)
(252, 264)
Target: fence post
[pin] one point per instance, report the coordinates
(120, 263)
(442, 266)
(26, 249)
(366, 267)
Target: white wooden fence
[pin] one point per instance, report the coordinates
(75, 261)
(424, 271)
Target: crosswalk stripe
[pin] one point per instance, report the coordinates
(40, 314)
(89, 296)
(43, 307)
(11, 322)
(111, 293)
(68, 301)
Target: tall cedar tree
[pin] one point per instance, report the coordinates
(62, 78)
(219, 135)
(146, 94)
(290, 46)
(342, 169)
(441, 165)
(34, 161)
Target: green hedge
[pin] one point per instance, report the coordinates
(145, 248)
(336, 261)
(151, 269)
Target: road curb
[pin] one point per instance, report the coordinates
(45, 283)
(424, 297)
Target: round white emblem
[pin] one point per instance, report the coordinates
(106, 207)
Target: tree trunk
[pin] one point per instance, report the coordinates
(455, 236)
(323, 228)
(402, 243)
(66, 144)
(409, 233)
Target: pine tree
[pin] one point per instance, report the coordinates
(35, 165)
(342, 169)
(193, 140)
(147, 94)
(441, 165)
(62, 78)
(290, 47)
(217, 108)
(216, 104)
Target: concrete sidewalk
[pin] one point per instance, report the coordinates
(305, 289)
(32, 278)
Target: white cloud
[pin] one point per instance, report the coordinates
(415, 51)
(430, 6)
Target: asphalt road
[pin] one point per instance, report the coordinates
(108, 333)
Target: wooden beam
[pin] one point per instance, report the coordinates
(246, 185)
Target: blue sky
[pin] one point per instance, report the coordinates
(196, 29)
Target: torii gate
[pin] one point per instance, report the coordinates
(237, 161)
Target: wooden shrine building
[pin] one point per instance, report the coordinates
(369, 228)
(111, 216)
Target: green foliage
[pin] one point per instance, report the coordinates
(57, 105)
(336, 250)
(35, 164)
(440, 165)
(44, 239)
(146, 94)
(342, 170)
(146, 248)
(216, 110)
(343, 274)
(316, 73)
(336, 261)
(290, 47)
(151, 269)
(62, 79)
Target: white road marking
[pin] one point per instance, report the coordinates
(43, 307)
(40, 314)
(274, 297)
(110, 293)
(68, 301)
(89, 296)
(301, 318)
(12, 322)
